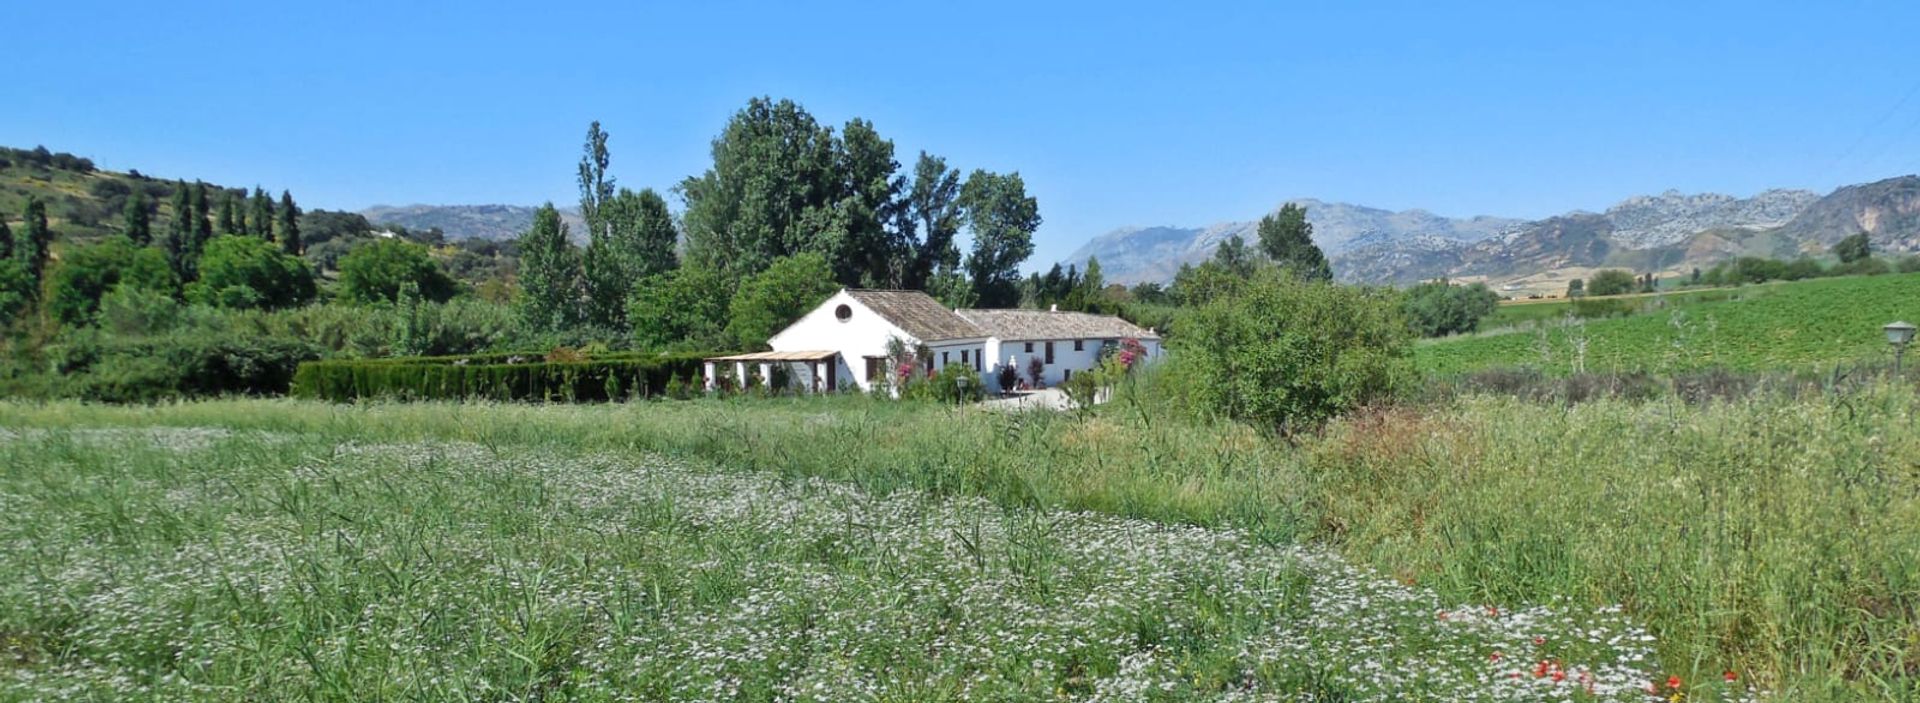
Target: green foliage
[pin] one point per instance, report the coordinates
(773, 169)
(246, 272)
(98, 365)
(496, 377)
(1438, 308)
(772, 299)
(1283, 353)
(1800, 325)
(16, 290)
(1287, 239)
(289, 227)
(1853, 248)
(1195, 286)
(260, 214)
(549, 297)
(181, 247)
(381, 270)
(956, 383)
(138, 220)
(1611, 282)
(932, 209)
(86, 274)
(686, 306)
(1576, 288)
(1002, 218)
(638, 242)
(35, 242)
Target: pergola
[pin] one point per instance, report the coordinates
(811, 359)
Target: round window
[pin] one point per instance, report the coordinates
(843, 313)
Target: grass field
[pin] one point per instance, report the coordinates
(279, 549)
(1782, 326)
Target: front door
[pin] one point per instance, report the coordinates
(833, 374)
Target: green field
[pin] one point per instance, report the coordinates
(906, 551)
(1802, 325)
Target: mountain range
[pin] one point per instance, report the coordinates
(1667, 233)
(494, 222)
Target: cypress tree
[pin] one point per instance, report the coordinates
(6, 240)
(202, 217)
(289, 224)
(260, 215)
(36, 239)
(179, 241)
(229, 217)
(139, 226)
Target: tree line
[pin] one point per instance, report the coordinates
(787, 204)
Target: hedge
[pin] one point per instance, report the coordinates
(490, 377)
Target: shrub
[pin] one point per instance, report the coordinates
(84, 276)
(957, 383)
(1438, 308)
(94, 365)
(511, 377)
(1282, 353)
(1611, 282)
(247, 272)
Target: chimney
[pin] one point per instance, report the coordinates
(1053, 308)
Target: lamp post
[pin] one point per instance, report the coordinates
(1899, 334)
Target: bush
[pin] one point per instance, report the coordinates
(1611, 282)
(247, 272)
(956, 383)
(511, 377)
(93, 365)
(1438, 308)
(1282, 353)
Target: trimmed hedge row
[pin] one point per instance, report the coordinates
(611, 377)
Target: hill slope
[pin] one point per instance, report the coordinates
(491, 222)
(1802, 325)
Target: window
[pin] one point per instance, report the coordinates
(963, 356)
(843, 313)
(976, 359)
(1049, 352)
(875, 371)
(1029, 347)
(943, 359)
(1069, 375)
(1078, 345)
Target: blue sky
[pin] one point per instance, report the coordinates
(1116, 113)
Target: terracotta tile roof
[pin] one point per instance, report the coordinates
(1049, 324)
(918, 314)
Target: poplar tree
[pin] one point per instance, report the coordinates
(549, 297)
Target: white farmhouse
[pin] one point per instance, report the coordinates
(843, 343)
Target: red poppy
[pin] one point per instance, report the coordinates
(1730, 676)
(1493, 657)
(1539, 641)
(1673, 682)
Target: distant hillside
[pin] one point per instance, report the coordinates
(491, 222)
(1669, 232)
(83, 202)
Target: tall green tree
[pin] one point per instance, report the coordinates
(289, 231)
(932, 208)
(773, 169)
(772, 299)
(684, 307)
(240, 271)
(854, 229)
(382, 270)
(35, 243)
(549, 296)
(86, 274)
(1233, 257)
(229, 220)
(202, 216)
(181, 251)
(639, 242)
(138, 220)
(260, 214)
(1854, 248)
(6, 240)
(1287, 238)
(596, 188)
(1002, 219)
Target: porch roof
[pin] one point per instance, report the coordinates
(779, 356)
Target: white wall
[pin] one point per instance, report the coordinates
(1065, 359)
(863, 334)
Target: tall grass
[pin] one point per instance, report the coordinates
(1774, 537)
